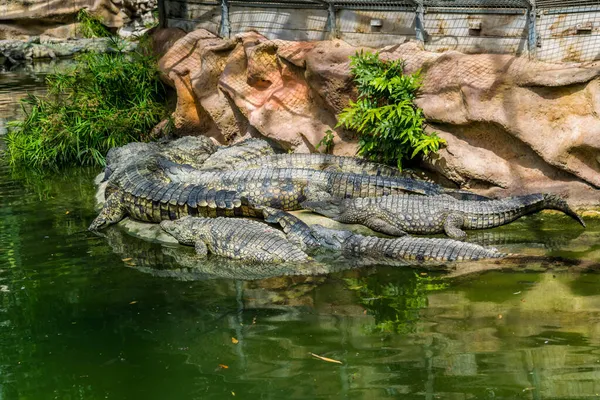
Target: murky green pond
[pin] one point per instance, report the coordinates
(87, 317)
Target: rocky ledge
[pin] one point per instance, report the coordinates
(513, 126)
(19, 51)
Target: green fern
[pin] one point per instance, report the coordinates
(390, 125)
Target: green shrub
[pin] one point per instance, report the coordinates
(106, 100)
(91, 26)
(390, 126)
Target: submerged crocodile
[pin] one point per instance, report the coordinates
(411, 250)
(401, 214)
(256, 241)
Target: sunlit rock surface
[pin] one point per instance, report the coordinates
(513, 126)
(23, 19)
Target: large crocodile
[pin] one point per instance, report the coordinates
(410, 250)
(140, 191)
(191, 150)
(320, 162)
(287, 188)
(238, 239)
(400, 214)
(256, 241)
(228, 157)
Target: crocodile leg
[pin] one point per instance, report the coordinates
(373, 217)
(452, 225)
(381, 225)
(112, 212)
(201, 248)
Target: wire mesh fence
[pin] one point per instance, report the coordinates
(548, 30)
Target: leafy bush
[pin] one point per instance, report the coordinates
(91, 26)
(106, 100)
(390, 126)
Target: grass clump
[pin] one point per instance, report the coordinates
(91, 26)
(390, 125)
(106, 100)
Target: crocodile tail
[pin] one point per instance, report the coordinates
(330, 208)
(554, 202)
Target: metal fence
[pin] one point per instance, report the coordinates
(549, 30)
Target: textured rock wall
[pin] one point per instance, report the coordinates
(512, 125)
(21, 19)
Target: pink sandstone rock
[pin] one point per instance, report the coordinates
(512, 125)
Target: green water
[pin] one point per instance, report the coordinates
(78, 322)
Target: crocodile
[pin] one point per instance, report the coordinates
(191, 150)
(398, 215)
(235, 238)
(287, 188)
(410, 250)
(140, 191)
(256, 241)
(228, 157)
(320, 162)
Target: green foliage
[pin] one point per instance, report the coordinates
(327, 142)
(91, 26)
(395, 305)
(106, 100)
(390, 126)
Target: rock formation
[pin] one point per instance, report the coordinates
(513, 126)
(22, 19)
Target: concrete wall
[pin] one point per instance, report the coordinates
(562, 37)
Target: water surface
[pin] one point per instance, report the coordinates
(88, 317)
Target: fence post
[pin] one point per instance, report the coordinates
(419, 21)
(532, 39)
(162, 15)
(225, 28)
(331, 20)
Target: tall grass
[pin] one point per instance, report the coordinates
(106, 100)
(91, 26)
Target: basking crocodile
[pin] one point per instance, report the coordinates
(256, 241)
(228, 157)
(400, 214)
(286, 188)
(319, 162)
(140, 191)
(191, 150)
(238, 239)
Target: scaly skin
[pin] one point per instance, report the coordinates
(228, 157)
(137, 191)
(286, 189)
(400, 214)
(256, 241)
(235, 238)
(409, 250)
(191, 150)
(320, 162)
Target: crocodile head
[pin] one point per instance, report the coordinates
(181, 229)
(190, 150)
(330, 238)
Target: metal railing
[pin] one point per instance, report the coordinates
(536, 25)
